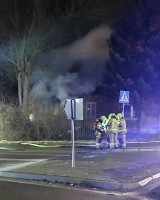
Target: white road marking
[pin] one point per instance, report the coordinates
(90, 156)
(20, 165)
(5, 148)
(136, 142)
(147, 180)
(24, 159)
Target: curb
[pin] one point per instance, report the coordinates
(71, 180)
(123, 186)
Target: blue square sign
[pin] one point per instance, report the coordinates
(124, 97)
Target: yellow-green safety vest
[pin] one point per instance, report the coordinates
(122, 126)
(113, 125)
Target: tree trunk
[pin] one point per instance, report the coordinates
(20, 97)
(26, 85)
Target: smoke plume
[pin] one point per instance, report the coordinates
(73, 70)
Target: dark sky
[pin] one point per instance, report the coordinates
(81, 52)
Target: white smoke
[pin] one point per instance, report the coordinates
(94, 44)
(74, 70)
(60, 85)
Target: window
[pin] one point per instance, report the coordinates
(91, 109)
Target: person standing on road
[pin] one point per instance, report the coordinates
(100, 128)
(122, 131)
(98, 132)
(104, 130)
(113, 131)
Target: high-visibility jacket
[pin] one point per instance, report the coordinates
(104, 125)
(122, 126)
(113, 125)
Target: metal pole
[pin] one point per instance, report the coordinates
(73, 150)
(123, 111)
(131, 111)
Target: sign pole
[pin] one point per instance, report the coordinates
(73, 110)
(73, 150)
(123, 111)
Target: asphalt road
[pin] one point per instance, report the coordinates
(12, 158)
(19, 190)
(10, 190)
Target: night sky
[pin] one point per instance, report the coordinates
(81, 47)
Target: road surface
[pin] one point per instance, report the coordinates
(12, 159)
(10, 190)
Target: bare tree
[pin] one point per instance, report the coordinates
(26, 37)
(23, 45)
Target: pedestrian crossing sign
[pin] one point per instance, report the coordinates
(124, 97)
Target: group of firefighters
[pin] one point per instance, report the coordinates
(110, 131)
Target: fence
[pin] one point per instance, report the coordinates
(144, 128)
(138, 129)
(50, 124)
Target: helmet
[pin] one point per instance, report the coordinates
(103, 118)
(110, 115)
(119, 115)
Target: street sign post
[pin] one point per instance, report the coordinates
(73, 109)
(124, 99)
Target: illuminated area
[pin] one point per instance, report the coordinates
(80, 97)
(81, 57)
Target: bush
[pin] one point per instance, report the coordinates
(46, 126)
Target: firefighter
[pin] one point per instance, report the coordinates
(113, 130)
(104, 133)
(104, 121)
(122, 130)
(98, 132)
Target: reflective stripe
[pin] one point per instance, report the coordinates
(111, 145)
(113, 129)
(97, 145)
